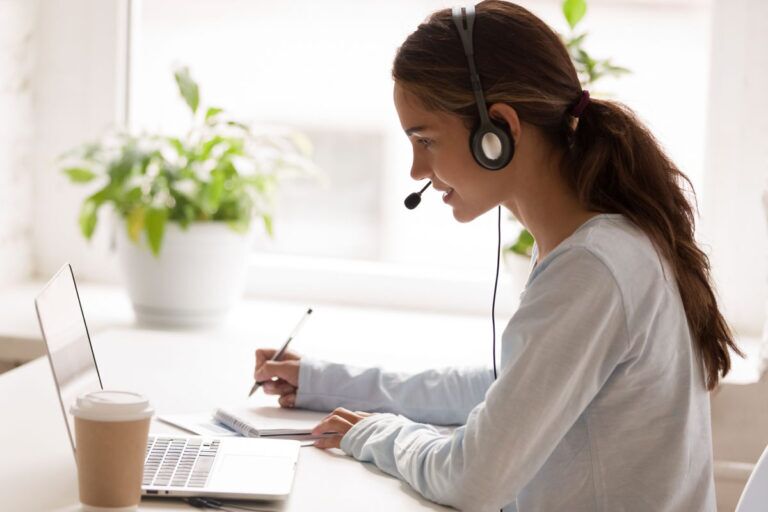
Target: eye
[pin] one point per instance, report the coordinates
(424, 142)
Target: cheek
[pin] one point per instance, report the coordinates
(453, 163)
(460, 173)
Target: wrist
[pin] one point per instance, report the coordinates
(306, 380)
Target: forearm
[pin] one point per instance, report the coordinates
(438, 466)
(442, 397)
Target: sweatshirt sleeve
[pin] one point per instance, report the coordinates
(567, 336)
(443, 397)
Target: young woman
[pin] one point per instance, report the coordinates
(601, 400)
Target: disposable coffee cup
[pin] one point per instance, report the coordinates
(111, 430)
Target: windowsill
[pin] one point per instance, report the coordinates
(109, 307)
(388, 285)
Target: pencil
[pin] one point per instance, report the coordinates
(279, 354)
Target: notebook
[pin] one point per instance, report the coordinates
(250, 421)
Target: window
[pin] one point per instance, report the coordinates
(324, 68)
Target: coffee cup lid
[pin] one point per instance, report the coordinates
(112, 406)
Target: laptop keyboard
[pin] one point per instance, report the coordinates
(178, 462)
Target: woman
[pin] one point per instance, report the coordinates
(601, 401)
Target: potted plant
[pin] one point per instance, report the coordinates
(590, 70)
(186, 206)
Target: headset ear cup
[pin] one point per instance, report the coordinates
(503, 144)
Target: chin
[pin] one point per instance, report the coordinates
(464, 216)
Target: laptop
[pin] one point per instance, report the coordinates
(175, 465)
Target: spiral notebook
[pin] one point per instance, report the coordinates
(251, 421)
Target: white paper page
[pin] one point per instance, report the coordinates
(274, 420)
(201, 424)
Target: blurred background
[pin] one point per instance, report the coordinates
(70, 71)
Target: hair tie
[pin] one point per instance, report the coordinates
(579, 107)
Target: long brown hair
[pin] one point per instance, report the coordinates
(611, 161)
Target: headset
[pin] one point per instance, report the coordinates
(490, 143)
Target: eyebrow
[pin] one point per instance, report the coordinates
(413, 129)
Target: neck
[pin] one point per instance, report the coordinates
(546, 205)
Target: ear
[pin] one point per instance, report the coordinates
(508, 115)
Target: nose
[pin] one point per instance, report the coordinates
(419, 171)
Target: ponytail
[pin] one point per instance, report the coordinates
(616, 165)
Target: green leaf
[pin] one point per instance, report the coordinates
(268, 224)
(79, 174)
(135, 222)
(133, 196)
(188, 88)
(239, 225)
(121, 168)
(88, 218)
(524, 244)
(214, 191)
(574, 11)
(615, 70)
(227, 169)
(238, 124)
(265, 184)
(105, 194)
(207, 146)
(91, 149)
(574, 42)
(154, 222)
(212, 112)
(176, 143)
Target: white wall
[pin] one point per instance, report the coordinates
(79, 84)
(737, 160)
(18, 36)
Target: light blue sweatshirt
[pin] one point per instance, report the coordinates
(600, 403)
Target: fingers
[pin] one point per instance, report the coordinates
(333, 423)
(346, 414)
(286, 370)
(265, 354)
(329, 442)
(279, 387)
(288, 401)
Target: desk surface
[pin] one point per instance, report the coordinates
(198, 371)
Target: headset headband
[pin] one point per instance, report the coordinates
(464, 18)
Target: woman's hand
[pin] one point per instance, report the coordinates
(340, 420)
(284, 372)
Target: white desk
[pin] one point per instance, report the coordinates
(197, 371)
(192, 372)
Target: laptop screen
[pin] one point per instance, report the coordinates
(65, 333)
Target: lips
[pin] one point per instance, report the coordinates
(447, 192)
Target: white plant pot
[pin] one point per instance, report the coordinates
(193, 282)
